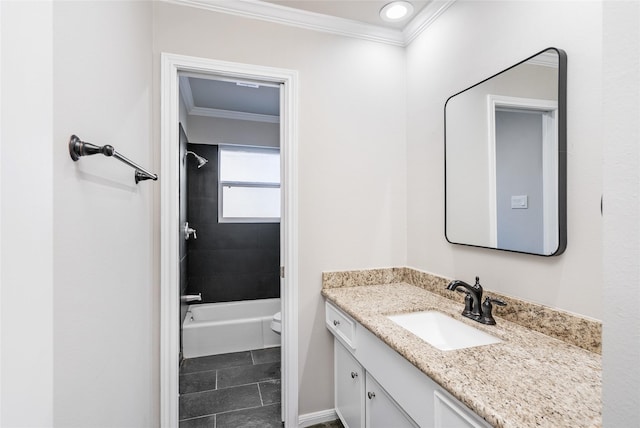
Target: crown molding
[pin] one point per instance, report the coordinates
(275, 13)
(278, 14)
(231, 114)
(186, 93)
(424, 19)
(545, 59)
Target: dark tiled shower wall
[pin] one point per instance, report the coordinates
(228, 261)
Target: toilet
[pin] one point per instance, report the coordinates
(276, 323)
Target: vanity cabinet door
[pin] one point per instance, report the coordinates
(380, 409)
(349, 387)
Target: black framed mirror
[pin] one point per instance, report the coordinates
(506, 159)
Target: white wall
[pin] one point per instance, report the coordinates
(621, 153)
(351, 153)
(213, 130)
(106, 296)
(445, 59)
(27, 335)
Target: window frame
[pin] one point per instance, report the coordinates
(246, 184)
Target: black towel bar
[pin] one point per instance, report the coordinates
(78, 148)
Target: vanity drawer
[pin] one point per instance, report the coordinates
(342, 327)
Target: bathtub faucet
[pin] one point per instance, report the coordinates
(191, 298)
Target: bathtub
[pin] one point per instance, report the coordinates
(219, 328)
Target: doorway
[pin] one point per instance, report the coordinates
(523, 173)
(172, 231)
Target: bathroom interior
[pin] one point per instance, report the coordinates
(230, 310)
(369, 196)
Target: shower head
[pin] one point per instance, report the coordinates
(200, 159)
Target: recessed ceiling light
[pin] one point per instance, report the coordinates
(396, 11)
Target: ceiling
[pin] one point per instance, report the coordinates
(222, 95)
(367, 11)
(229, 99)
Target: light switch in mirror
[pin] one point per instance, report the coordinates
(505, 159)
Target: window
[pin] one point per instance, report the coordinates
(249, 185)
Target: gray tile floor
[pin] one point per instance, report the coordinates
(241, 389)
(237, 390)
(332, 424)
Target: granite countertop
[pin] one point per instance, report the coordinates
(527, 380)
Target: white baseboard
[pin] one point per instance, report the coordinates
(309, 419)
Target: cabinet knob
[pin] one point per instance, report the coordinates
(336, 323)
(354, 375)
(371, 394)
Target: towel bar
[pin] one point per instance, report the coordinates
(78, 148)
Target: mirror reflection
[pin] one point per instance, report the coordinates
(505, 159)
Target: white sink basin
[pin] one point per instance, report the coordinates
(442, 331)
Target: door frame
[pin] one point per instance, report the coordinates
(171, 64)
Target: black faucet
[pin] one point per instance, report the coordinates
(472, 300)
